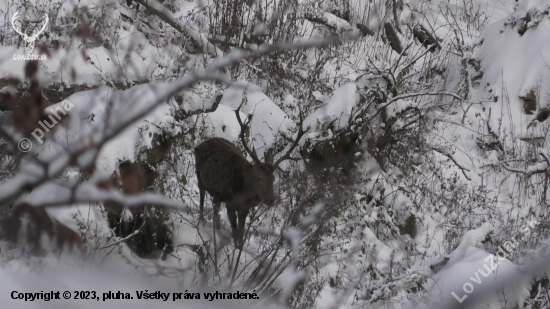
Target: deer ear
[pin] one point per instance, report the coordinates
(268, 156)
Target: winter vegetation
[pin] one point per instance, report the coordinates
(377, 154)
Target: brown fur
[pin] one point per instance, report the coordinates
(326, 158)
(228, 177)
(28, 223)
(154, 239)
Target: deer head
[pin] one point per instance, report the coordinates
(264, 170)
(264, 179)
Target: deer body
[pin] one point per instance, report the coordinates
(228, 177)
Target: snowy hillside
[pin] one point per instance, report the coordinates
(403, 145)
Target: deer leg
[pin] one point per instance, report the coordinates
(201, 209)
(202, 194)
(242, 221)
(216, 214)
(232, 215)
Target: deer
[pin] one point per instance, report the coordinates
(224, 172)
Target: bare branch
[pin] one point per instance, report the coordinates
(301, 133)
(244, 126)
(449, 155)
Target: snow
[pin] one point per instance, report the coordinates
(470, 271)
(73, 276)
(268, 119)
(224, 123)
(90, 66)
(337, 109)
(513, 76)
(99, 110)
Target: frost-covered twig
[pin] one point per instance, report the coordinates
(539, 168)
(411, 95)
(123, 239)
(449, 155)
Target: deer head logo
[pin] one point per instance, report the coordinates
(29, 39)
